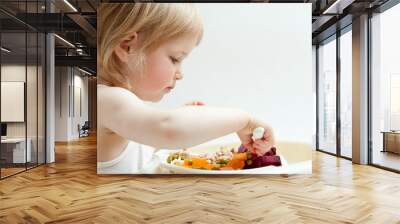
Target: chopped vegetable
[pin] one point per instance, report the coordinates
(240, 156)
(199, 162)
(225, 160)
(271, 152)
(236, 164)
(187, 162)
(242, 148)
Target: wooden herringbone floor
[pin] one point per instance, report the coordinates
(70, 191)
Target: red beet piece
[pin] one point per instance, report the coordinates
(261, 161)
(271, 160)
(271, 152)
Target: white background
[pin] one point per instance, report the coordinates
(256, 57)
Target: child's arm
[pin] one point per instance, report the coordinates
(125, 114)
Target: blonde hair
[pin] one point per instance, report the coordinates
(156, 22)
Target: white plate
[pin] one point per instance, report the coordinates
(174, 169)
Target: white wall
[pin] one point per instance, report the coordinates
(256, 57)
(80, 83)
(68, 82)
(61, 104)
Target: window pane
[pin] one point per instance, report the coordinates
(13, 87)
(346, 93)
(386, 88)
(327, 96)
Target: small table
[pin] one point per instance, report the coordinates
(16, 153)
(391, 141)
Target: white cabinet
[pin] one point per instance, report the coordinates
(16, 149)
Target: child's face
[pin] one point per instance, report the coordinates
(163, 68)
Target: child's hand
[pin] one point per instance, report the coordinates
(195, 103)
(259, 146)
(263, 145)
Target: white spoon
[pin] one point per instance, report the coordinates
(258, 133)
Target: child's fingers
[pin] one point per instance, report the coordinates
(259, 141)
(269, 137)
(267, 134)
(260, 145)
(256, 145)
(263, 143)
(198, 103)
(249, 146)
(260, 152)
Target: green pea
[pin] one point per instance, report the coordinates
(249, 155)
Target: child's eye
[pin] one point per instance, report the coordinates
(174, 60)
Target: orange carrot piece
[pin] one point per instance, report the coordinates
(240, 156)
(209, 166)
(199, 162)
(236, 164)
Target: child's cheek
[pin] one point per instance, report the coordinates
(164, 74)
(156, 75)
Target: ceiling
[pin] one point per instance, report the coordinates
(76, 23)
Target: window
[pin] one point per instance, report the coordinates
(327, 96)
(22, 77)
(346, 94)
(385, 88)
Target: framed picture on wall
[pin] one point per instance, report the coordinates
(204, 89)
(12, 101)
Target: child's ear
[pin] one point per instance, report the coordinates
(126, 46)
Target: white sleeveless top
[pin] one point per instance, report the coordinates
(135, 159)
